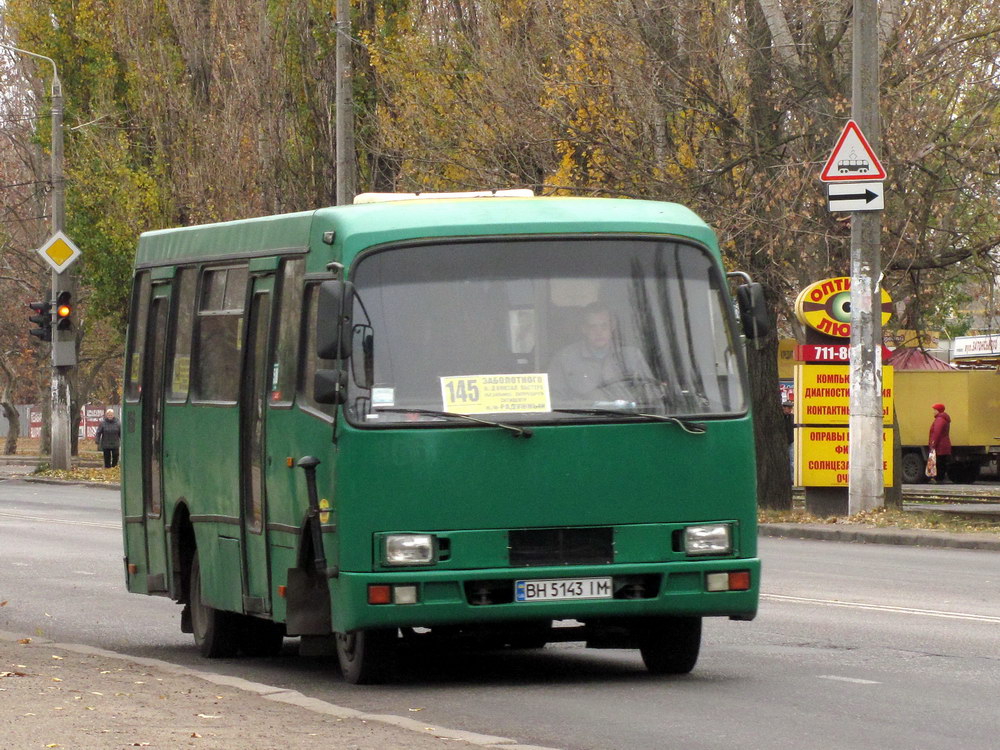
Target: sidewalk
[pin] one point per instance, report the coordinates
(851, 532)
(82, 698)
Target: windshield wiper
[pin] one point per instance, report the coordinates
(695, 428)
(518, 431)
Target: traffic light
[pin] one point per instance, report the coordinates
(64, 311)
(43, 319)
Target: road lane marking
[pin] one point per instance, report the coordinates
(855, 680)
(881, 608)
(48, 519)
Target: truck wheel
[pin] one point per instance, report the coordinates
(365, 656)
(912, 469)
(216, 633)
(670, 645)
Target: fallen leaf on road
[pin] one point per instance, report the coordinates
(24, 641)
(3, 603)
(196, 735)
(56, 657)
(416, 709)
(208, 716)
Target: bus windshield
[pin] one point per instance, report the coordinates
(541, 330)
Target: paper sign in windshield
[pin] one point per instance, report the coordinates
(496, 394)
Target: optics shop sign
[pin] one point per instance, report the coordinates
(825, 306)
(822, 412)
(822, 457)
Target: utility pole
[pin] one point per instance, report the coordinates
(59, 392)
(345, 106)
(865, 475)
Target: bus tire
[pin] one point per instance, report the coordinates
(670, 645)
(215, 632)
(365, 656)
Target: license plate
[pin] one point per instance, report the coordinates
(549, 589)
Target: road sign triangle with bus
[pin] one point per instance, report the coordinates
(852, 159)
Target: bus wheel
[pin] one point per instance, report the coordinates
(215, 631)
(365, 656)
(670, 645)
(261, 637)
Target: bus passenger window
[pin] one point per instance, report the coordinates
(180, 366)
(284, 369)
(136, 337)
(220, 330)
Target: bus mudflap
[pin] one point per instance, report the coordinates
(308, 600)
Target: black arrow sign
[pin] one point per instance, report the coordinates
(868, 196)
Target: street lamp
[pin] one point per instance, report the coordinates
(60, 422)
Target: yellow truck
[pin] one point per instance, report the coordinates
(971, 398)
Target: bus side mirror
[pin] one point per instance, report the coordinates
(753, 310)
(334, 309)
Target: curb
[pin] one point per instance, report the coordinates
(291, 697)
(865, 535)
(75, 482)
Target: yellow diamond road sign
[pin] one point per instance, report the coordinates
(59, 252)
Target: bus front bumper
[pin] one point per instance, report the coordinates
(705, 588)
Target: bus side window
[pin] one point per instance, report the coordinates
(220, 331)
(180, 366)
(284, 369)
(307, 357)
(137, 336)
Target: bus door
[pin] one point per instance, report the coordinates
(253, 458)
(152, 438)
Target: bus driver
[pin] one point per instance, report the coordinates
(597, 367)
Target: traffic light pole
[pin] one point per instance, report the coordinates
(60, 425)
(61, 282)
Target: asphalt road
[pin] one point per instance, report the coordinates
(856, 646)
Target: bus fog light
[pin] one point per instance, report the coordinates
(404, 594)
(713, 539)
(717, 582)
(409, 549)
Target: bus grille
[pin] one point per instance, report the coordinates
(583, 546)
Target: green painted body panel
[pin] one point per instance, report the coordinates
(566, 475)
(467, 483)
(252, 236)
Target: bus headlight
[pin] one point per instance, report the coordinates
(409, 549)
(710, 539)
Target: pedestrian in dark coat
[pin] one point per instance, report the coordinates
(939, 440)
(109, 438)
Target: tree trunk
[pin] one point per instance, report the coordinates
(774, 481)
(13, 428)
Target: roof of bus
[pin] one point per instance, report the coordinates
(358, 227)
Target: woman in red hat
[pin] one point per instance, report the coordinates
(939, 440)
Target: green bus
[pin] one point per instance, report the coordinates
(493, 418)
